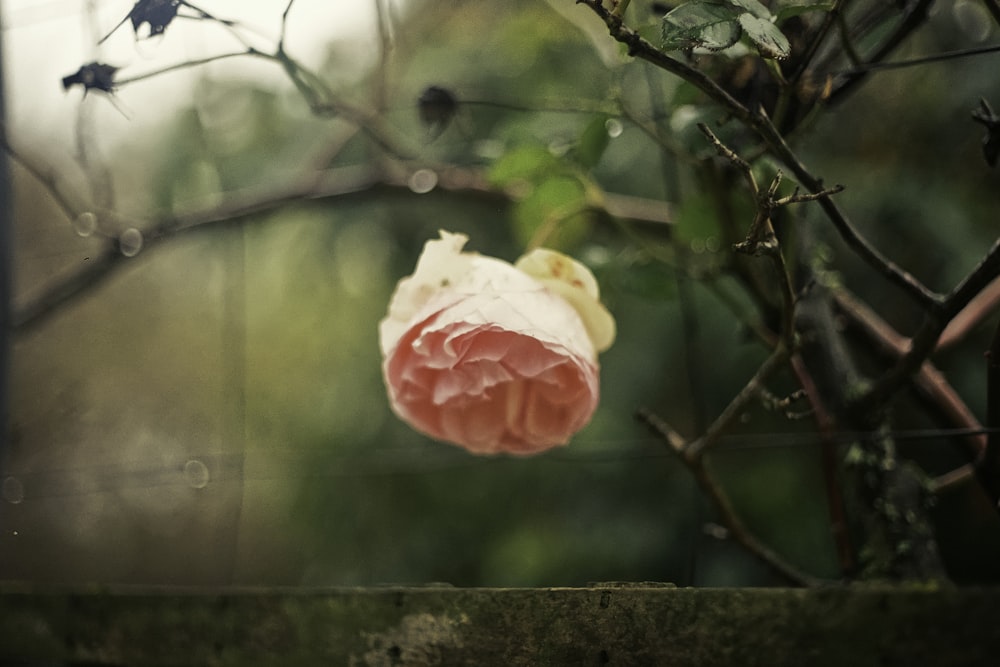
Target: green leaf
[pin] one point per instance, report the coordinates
(523, 163)
(554, 213)
(701, 23)
(766, 36)
(797, 8)
(593, 142)
(752, 6)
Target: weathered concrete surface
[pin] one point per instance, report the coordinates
(604, 625)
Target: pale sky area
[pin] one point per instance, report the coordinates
(45, 40)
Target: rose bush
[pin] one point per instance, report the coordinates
(491, 356)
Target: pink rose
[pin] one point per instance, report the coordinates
(494, 357)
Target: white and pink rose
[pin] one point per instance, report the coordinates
(491, 356)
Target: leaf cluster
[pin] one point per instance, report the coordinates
(716, 25)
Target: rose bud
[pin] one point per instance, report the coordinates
(494, 357)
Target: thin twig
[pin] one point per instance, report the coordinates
(723, 506)
(915, 16)
(46, 178)
(737, 406)
(338, 184)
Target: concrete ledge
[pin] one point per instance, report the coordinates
(604, 625)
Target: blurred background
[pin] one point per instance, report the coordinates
(202, 260)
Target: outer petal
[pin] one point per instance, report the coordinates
(575, 283)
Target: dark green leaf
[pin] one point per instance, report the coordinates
(523, 163)
(766, 36)
(752, 6)
(701, 23)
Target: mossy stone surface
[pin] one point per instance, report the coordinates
(603, 625)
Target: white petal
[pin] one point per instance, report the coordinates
(574, 282)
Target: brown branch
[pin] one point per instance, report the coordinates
(978, 309)
(936, 319)
(988, 468)
(928, 380)
(830, 459)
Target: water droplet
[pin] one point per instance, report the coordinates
(13, 490)
(614, 127)
(423, 181)
(196, 474)
(85, 224)
(130, 242)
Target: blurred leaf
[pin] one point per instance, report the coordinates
(701, 23)
(696, 219)
(554, 214)
(523, 163)
(644, 276)
(766, 36)
(593, 142)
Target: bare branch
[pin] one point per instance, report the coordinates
(693, 460)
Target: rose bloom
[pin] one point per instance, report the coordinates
(491, 356)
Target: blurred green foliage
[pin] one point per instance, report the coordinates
(251, 345)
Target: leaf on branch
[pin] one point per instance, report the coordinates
(92, 76)
(752, 7)
(765, 35)
(719, 24)
(703, 24)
